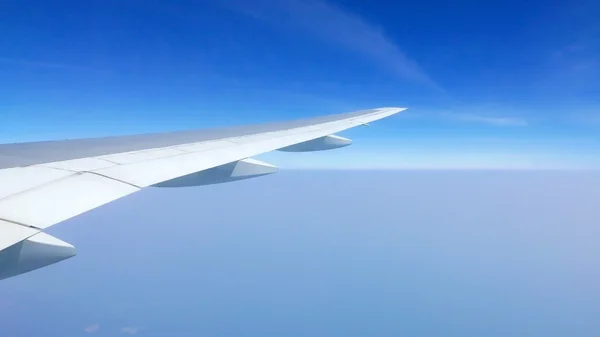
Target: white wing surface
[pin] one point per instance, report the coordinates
(44, 183)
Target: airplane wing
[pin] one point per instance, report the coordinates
(45, 183)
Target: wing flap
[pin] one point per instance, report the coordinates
(140, 156)
(78, 165)
(12, 233)
(62, 199)
(19, 179)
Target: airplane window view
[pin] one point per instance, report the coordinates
(299, 168)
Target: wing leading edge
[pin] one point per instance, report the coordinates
(42, 184)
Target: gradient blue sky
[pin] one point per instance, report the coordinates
(500, 84)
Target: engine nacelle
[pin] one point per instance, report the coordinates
(38, 251)
(239, 170)
(320, 144)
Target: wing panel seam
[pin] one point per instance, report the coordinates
(111, 178)
(20, 224)
(33, 188)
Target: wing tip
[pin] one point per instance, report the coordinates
(391, 110)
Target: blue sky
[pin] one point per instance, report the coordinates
(432, 254)
(495, 84)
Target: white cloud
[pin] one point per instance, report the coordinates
(92, 328)
(337, 26)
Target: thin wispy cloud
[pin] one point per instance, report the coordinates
(497, 121)
(573, 64)
(40, 64)
(130, 330)
(576, 64)
(589, 117)
(92, 328)
(340, 27)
